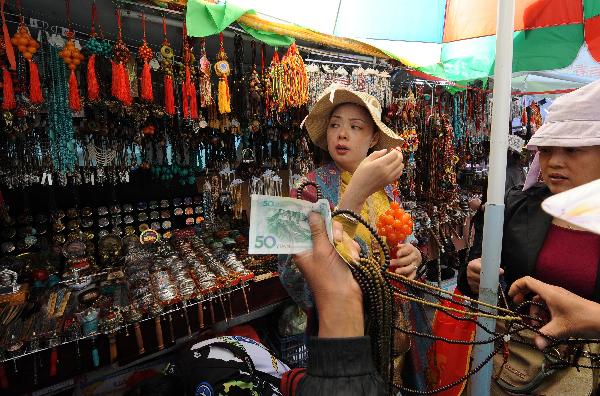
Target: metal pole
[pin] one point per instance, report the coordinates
(494, 209)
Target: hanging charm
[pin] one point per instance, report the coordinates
(93, 47)
(166, 63)
(205, 72)
(188, 86)
(222, 70)
(121, 88)
(145, 54)
(72, 57)
(28, 46)
(8, 93)
(8, 48)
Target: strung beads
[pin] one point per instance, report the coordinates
(395, 225)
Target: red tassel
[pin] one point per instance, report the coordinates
(193, 102)
(92, 81)
(35, 88)
(184, 99)
(10, 52)
(146, 83)
(120, 87)
(8, 103)
(169, 97)
(126, 90)
(74, 100)
(114, 85)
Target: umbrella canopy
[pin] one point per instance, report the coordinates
(450, 39)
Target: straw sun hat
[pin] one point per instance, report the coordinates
(318, 119)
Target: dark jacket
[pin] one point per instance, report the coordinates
(336, 366)
(525, 228)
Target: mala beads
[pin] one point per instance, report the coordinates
(145, 54)
(395, 225)
(120, 87)
(222, 70)
(72, 57)
(28, 46)
(166, 64)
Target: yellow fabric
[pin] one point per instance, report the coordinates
(377, 204)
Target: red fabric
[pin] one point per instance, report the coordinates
(169, 96)
(569, 259)
(74, 99)
(92, 81)
(290, 381)
(449, 362)
(146, 83)
(8, 94)
(193, 102)
(35, 88)
(592, 36)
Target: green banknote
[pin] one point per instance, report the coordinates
(279, 225)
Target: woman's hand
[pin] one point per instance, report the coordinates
(408, 261)
(570, 315)
(374, 173)
(474, 274)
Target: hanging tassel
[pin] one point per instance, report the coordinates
(184, 96)
(169, 96)
(92, 81)
(146, 83)
(193, 101)
(224, 97)
(127, 98)
(8, 103)
(114, 85)
(8, 48)
(35, 88)
(74, 100)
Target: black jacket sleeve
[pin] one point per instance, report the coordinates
(340, 366)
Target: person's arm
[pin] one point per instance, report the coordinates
(340, 358)
(570, 315)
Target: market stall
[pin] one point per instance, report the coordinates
(131, 143)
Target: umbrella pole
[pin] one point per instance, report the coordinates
(494, 209)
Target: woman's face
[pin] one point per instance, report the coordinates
(566, 167)
(350, 134)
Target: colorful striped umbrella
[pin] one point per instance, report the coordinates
(450, 39)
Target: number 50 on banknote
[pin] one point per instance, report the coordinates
(279, 225)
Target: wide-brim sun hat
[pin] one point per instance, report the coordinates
(573, 120)
(317, 120)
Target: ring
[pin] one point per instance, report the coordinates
(416, 266)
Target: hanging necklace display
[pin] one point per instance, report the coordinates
(166, 64)
(145, 54)
(222, 70)
(120, 87)
(204, 78)
(28, 46)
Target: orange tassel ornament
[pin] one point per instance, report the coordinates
(72, 57)
(121, 88)
(92, 81)
(145, 54)
(222, 70)
(166, 65)
(28, 46)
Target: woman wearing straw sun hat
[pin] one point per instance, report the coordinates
(365, 161)
(535, 243)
